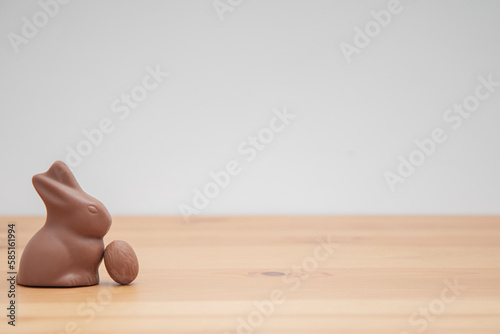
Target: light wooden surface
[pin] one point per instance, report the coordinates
(204, 276)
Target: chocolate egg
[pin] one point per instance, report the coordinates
(121, 262)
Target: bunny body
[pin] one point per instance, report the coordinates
(69, 248)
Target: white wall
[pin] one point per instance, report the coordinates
(352, 120)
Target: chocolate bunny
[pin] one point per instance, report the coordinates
(68, 249)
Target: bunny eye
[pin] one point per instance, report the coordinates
(92, 209)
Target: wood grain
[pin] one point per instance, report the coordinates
(206, 276)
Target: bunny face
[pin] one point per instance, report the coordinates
(89, 218)
(68, 205)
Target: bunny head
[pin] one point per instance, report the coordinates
(68, 205)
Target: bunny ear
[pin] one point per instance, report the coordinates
(55, 185)
(61, 173)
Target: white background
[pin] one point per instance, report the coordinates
(226, 76)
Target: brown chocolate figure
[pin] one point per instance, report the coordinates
(68, 249)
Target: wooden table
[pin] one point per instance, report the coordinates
(280, 275)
